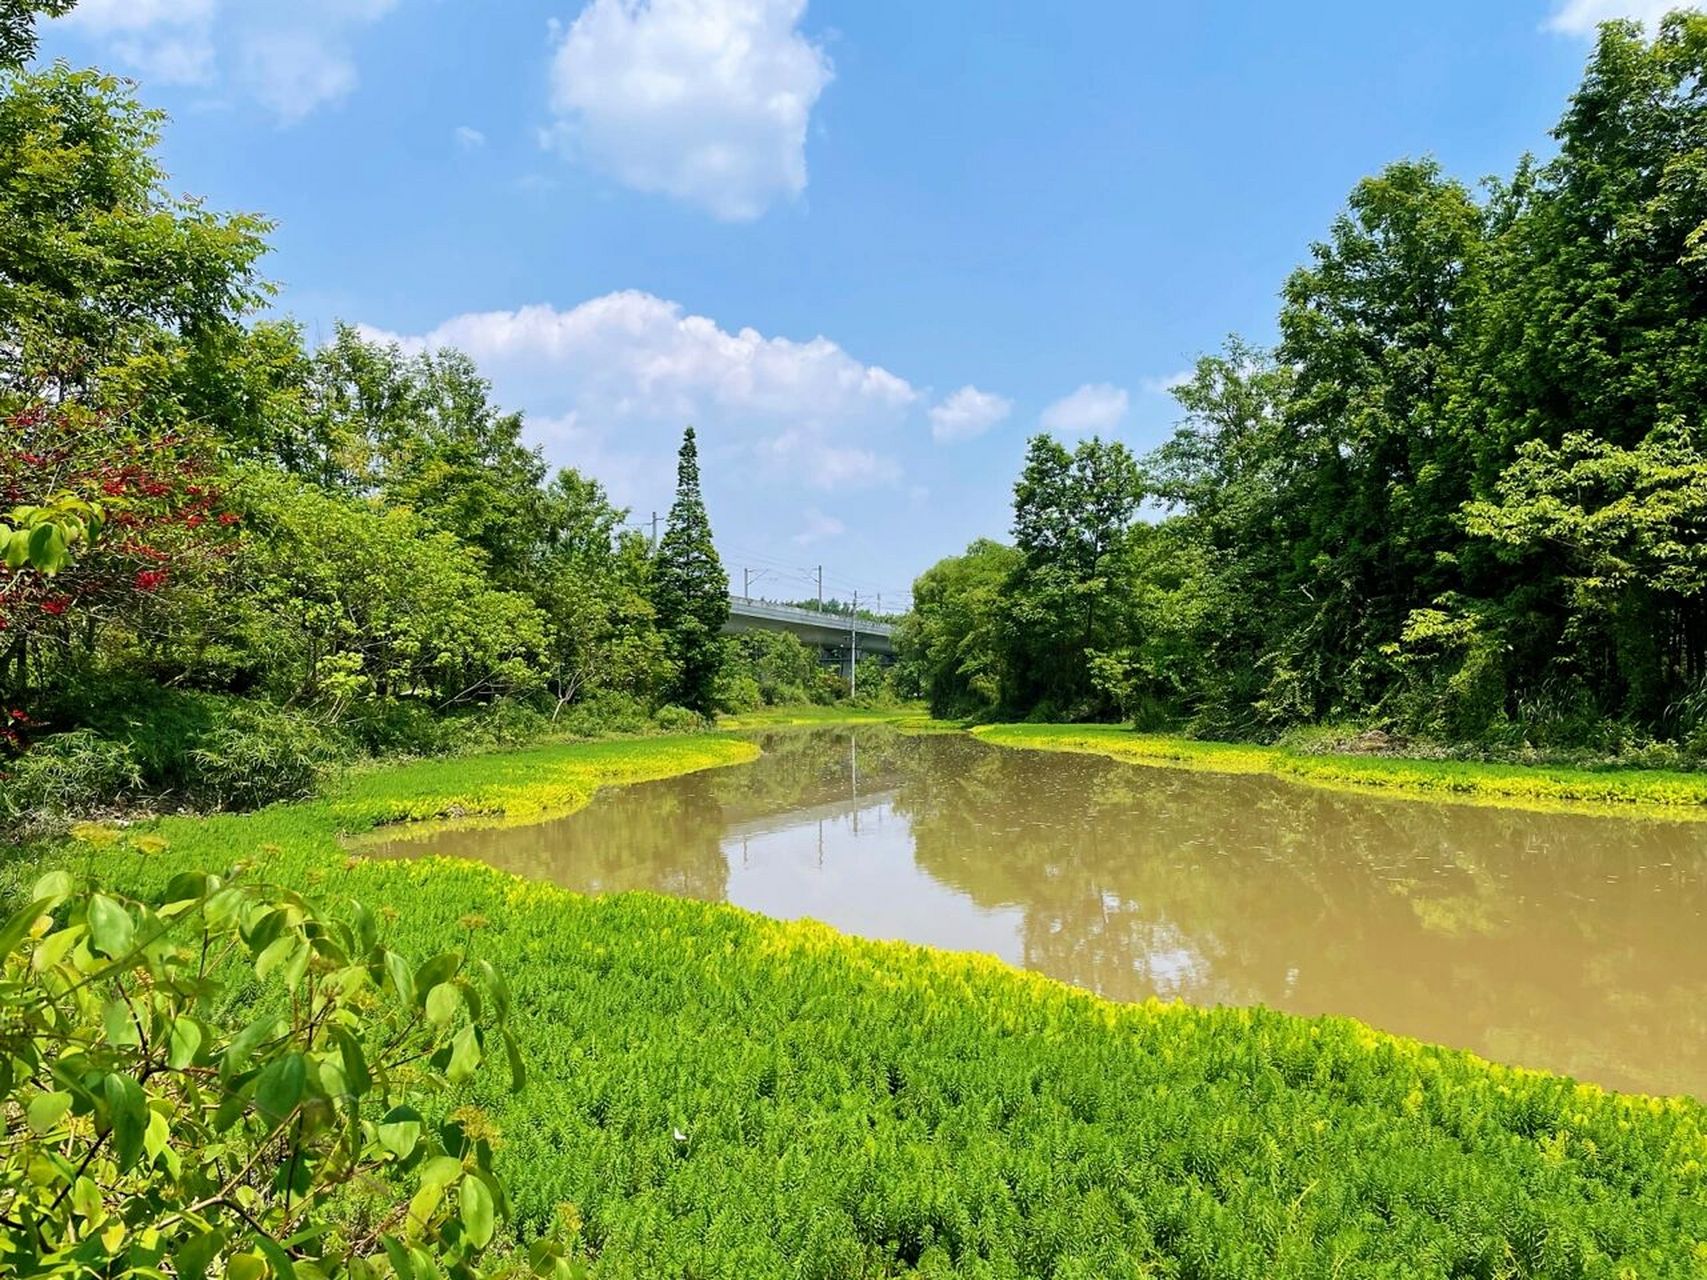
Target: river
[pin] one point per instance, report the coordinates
(1565, 942)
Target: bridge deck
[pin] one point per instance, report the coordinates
(834, 632)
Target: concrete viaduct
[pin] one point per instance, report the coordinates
(834, 635)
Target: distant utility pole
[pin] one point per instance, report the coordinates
(853, 649)
(747, 577)
(820, 588)
(654, 531)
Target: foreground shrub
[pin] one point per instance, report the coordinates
(156, 1128)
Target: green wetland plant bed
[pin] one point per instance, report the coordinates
(719, 1094)
(1666, 793)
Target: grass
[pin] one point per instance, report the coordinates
(1662, 793)
(853, 1108)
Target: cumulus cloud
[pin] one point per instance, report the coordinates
(634, 367)
(292, 59)
(703, 100)
(818, 527)
(1094, 407)
(967, 413)
(1581, 17)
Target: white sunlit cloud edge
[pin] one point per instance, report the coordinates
(619, 375)
(1094, 407)
(292, 60)
(707, 101)
(1583, 17)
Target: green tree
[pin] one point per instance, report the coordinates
(1073, 518)
(690, 591)
(591, 580)
(953, 636)
(18, 27)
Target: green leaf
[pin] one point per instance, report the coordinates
(120, 1027)
(46, 1110)
(441, 968)
(496, 987)
(442, 1002)
(477, 1211)
(110, 927)
(280, 1260)
(423, 1205)
(196, 1254)
(399, 1256)
(442, 1170)
(464, 1056)
(55, 947)
(157, 1136)
(400, 1130)
(47, 549)
(356, 1077)
(245, 1266)
(398, 970)
(279, 1086)
(518, 1071)
(274, 954)
(18, 925)
(56, 885)
(183, 1043)
(246, 1041)
(127, 1116)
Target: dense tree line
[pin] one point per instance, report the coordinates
(229, 553)
(1465, 494)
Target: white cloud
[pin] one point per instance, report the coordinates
(1094, 407)
(704, 100)
(291, 58)
(1581, 17)
(818, 527)
(967, 413)
(1160, 386)
(469, 138)
(634, 367)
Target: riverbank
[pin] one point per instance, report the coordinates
(909, 716)
(1659, 793)
(880, 1108)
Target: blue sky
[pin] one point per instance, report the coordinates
(866, 246)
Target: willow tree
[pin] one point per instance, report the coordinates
(690, 590)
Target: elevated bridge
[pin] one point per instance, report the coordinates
(836, 636)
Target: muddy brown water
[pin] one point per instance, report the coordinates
(1571, 943)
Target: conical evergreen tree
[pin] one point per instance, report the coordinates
(690, 590)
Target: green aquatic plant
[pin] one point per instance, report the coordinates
(1671, 792)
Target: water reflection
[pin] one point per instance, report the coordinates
(1559, 941)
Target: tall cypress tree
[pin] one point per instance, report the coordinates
(690, 590)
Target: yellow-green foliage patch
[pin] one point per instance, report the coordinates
(1661, 792)
(909, 718)
(719, 1094)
